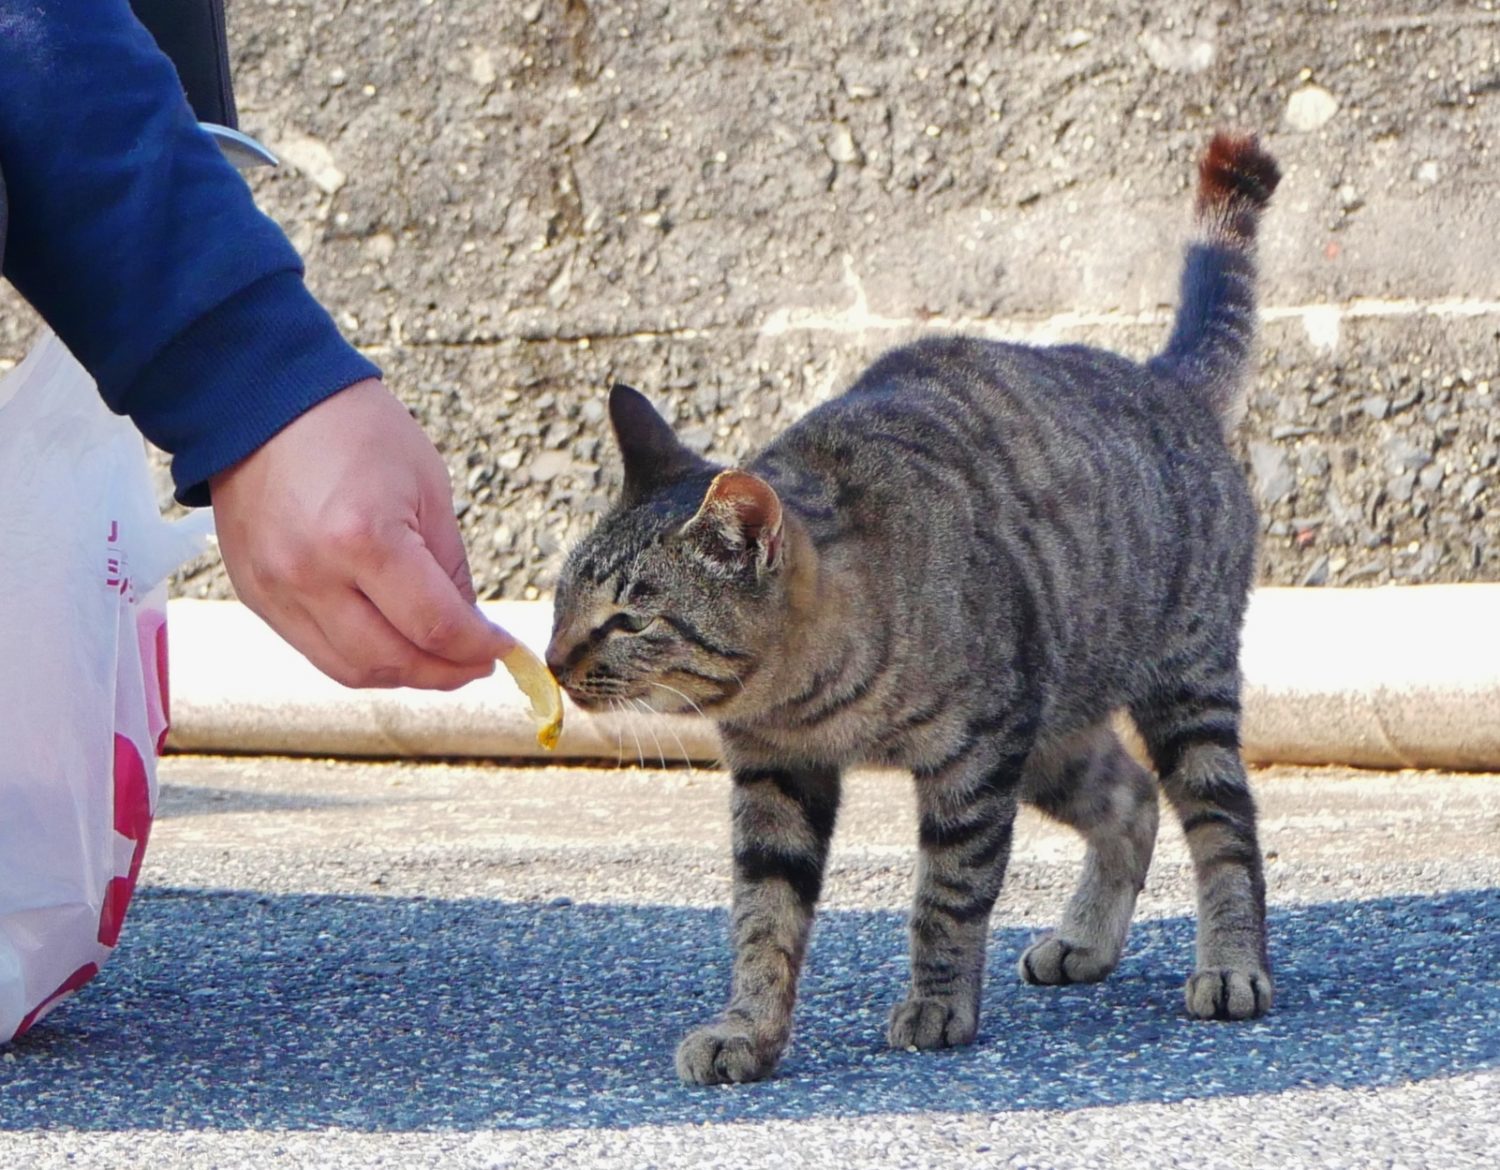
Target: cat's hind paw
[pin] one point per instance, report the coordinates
(1053, 961)
(926, 1023)
(1224, 993)
(723, 1053)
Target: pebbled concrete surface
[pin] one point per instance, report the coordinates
(351, 965)
(735, 206)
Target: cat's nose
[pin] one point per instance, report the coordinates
(557, 657)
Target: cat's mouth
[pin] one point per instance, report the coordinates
(591, 697)
(586, 699)
(642, 698)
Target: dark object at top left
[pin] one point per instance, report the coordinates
(192, 34)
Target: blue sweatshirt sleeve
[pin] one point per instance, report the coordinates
(143, 249)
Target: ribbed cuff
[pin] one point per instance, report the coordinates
(239, 375)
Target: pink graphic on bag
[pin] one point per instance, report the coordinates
(69, 985)
(133, 822)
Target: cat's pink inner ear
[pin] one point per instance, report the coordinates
(751, 504)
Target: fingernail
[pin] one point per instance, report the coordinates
(506, 640)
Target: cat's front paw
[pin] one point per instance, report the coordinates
(927, 1023)
(1053, 961)
(724, 1052)
(1224, 993)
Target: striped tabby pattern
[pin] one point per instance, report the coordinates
(963, 566)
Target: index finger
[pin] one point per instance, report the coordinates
(414, 593)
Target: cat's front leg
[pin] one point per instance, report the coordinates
(967, 806)
(782, 822)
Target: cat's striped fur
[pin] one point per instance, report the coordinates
(963, 566)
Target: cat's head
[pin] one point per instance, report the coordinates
(680, 593)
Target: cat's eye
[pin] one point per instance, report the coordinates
(628, 623)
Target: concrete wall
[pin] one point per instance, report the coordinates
(734, 206)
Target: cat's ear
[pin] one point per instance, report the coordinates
(652, 453)
(739, 522)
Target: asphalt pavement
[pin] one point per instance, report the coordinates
(335, 964)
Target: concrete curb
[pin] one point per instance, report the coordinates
(1400, 676)
(1389, 677)
(237, 687)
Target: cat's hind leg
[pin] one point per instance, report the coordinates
(782, 821)
(1191, 727)
(1089, 781)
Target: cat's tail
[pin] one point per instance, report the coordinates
(1210, 347)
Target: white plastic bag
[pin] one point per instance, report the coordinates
(84, 555)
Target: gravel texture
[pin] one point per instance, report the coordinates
(361, 965)
(736, 206)
(243, 1010)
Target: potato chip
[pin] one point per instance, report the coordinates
(538, 685)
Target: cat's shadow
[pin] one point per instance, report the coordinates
(239, 1010)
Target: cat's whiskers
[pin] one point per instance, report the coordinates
(685, 698)
(614, 705)
(646, 708)
(640, 752)
(688, 759)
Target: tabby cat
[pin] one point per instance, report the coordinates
(963, 566)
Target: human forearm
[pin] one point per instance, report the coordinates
(143, 249)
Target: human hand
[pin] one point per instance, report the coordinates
(339, 532)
